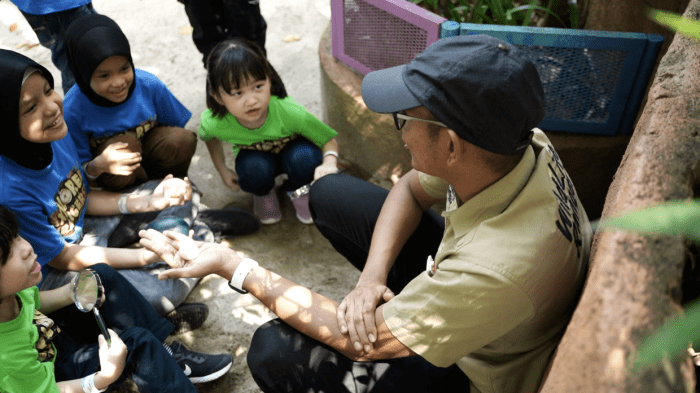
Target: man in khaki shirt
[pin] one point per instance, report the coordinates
(476, 300)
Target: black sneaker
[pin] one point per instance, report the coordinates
(230, 221)
(187, 317)
(199, 367)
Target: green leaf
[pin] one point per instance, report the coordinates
(672, 218)
(432, 3)
(676, 22)
(573, 15)
(671, 339)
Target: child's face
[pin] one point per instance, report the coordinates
(21, 270)
(113, 78)
(248, 104)
(40, 111)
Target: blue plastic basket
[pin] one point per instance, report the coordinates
(594, 81)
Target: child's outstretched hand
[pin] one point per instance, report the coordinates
(112, 358)
(116, 159)
(170, 192)
(325, 169)
(230, 179)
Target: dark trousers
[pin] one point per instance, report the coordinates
(215, 21)
(257, 169)
(164, 150)
(143, 331)
(51, 29)
(281, 359)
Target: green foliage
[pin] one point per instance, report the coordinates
(676, 22)
(502, 12)
(671, 340)
(672, 218)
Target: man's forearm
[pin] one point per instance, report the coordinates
(398, 219)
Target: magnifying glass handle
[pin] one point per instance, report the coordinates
(103, 327)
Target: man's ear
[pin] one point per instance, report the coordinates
(456, 147)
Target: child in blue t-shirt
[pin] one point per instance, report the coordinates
(126, 124)
(50, 346)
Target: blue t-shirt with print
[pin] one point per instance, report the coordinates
(151, 104)
(43, 7)
(49, 203)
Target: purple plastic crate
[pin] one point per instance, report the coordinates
(370, 35)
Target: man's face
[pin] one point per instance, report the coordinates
(421, 142)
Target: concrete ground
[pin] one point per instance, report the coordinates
(161, 43)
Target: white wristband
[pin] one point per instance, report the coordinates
(331, 153)
(121, 204)
(89, 385)
(89, 176)
(240, 274)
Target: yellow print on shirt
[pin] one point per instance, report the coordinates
(70, 202)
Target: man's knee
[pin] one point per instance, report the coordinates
(267, 347)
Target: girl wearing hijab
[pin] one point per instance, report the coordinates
(42, 182)
(126, 124)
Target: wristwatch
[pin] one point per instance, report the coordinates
(240, 274)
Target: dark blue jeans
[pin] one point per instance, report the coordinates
(51, 31)
(143, 331)
(257, 169)
(281, 359)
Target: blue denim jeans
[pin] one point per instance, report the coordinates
(51, 31)
(143, 331)
(163, 295)
(257, 169)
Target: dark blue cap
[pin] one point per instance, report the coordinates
(486, 90)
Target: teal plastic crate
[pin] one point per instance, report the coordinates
(594, 81)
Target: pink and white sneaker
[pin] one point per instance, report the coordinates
(301, 205)
(267, 207)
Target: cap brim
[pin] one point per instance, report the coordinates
(384, 91)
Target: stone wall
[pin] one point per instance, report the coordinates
(634, 285)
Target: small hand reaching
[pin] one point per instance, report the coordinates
(170, 192)
(112, 357)
(324, 169)
(230, 179)
(117, 159)
(175, 249)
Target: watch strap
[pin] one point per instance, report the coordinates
(240, 274)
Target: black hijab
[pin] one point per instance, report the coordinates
(28, 154)
(90, 40)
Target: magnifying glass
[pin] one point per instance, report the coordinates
(87, 292)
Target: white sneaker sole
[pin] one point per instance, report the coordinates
(212, 377)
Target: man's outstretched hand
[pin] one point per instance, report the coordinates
(176, 250)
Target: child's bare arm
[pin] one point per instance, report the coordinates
(330, 160)
(216, 151)
(55, 299)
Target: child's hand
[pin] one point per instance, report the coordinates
(170, 192)
(230, 179)
(325, 169)
(116, 159)
(112, 358)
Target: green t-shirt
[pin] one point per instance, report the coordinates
(20, 369)
(286, 119)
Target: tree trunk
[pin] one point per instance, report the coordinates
(628, 15)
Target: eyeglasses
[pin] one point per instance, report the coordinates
(401, 117)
